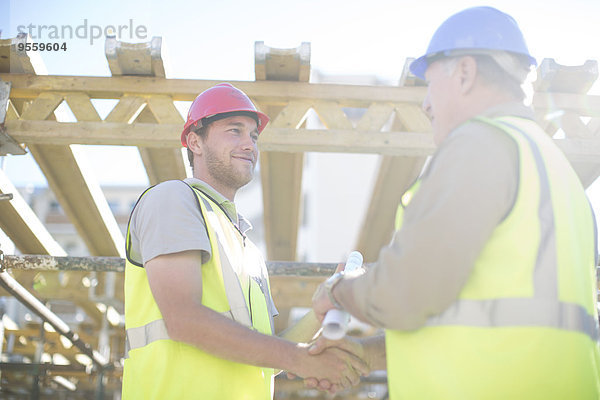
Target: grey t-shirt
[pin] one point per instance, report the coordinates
(167, 220)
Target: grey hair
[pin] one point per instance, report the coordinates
(505, 70)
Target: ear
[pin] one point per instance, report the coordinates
(467, 73)
(194, 143)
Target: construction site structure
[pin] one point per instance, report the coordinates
(71, 346)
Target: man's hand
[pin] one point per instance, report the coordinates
(336, 368)
(347, 344)
(320, 300)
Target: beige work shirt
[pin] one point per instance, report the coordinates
(467, 190)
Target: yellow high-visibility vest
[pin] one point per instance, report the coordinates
(157, 367)
(525, 325)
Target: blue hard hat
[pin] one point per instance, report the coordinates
(475, 28)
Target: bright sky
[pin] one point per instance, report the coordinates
(212, 39)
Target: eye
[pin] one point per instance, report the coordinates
(235, 130)
(254, 138)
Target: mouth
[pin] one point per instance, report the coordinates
(248, 159)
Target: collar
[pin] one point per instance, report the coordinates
(514, 108)
(243, 224)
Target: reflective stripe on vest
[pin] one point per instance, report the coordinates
(544, 309)
(157, 330)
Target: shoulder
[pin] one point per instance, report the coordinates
(477, 134)
(165, 199)
(172, 193)
(478, 142)
(173, 190)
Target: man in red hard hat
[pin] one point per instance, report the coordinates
(198, 307)
(488, 288)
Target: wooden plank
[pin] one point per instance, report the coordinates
(412, 117)
(134, 58)
(290, 116)
(11, 112)
(277, 139)
(81, 198)
(332, 115)
(396, 174)
(282, 64)
(281, 179)
(574, 127)
(292, 291)
(13, 60)
(22, 226)
(281, 173)
(587, 172)
(82, 107)
(265, 92)
(26, 86)
(144, 59)
(161, 164)
(126, 108)
(375, 117)
(349, 141)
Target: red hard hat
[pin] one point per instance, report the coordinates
(219, 99)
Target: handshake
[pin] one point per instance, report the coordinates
(330, 365)
(334, 361)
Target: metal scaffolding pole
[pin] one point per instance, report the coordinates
(117, 264)
(36, 306)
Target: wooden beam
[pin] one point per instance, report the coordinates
(396, 173)
(127, 107)
(275, 139)
(587, 172)
(294, 291)
(144, 59)
(15, 61)
(26, 86)
(81, 198)
(134, 58)
(162, 164)
(282, 64)
(281, 173)
(281, 178)
(22, 226)
(265, 92)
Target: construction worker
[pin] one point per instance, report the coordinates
(488, 288)
(198, 307)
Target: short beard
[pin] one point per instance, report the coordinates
(225, 173)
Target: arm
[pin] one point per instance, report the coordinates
(176, 284)
(469, 188)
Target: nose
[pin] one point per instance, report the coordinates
(248, 144)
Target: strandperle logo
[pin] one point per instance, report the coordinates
(84, 31)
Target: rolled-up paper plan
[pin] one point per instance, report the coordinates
(335, 323)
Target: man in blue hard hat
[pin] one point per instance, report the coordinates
(488, 289)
